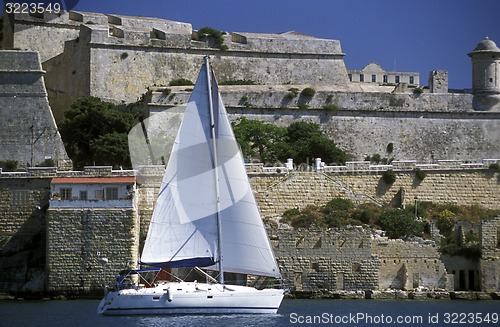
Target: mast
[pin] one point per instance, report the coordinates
(216, 173)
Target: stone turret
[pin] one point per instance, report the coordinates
(486, 76)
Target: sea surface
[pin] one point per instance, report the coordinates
(75, 313)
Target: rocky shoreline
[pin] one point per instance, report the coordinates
(395, 294)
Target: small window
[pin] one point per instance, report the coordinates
(397, 79)
(374, 78)
(66, 193)
(361, 77)
(385, 78)
(350, 77)
(412, 80)
(99, 194)
(83, 195)
(356, 267)
(111, 193)
(315, 266)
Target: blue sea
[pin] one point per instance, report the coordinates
(348, 313)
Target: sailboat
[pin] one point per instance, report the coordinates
(205, 217)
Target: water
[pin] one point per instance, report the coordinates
(348, 313)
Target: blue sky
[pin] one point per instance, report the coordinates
(403, 35)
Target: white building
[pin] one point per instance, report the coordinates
(374, 73)
(93, 192)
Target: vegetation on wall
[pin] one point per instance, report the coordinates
(238, 82)
(389, 176)
(397, 222)
(301, 141)
(180, 82)
(9, 165)
(216, 35)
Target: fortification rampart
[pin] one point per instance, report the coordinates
(449, 182)
(364, 120)
(28, 131)
(76, 238)
(117, 57)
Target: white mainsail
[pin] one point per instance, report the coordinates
(183, 230)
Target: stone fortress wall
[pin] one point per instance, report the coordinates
(59, 248)
(28, 131)
(120, 58)
(117, 58)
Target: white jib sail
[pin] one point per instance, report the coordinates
(183, 229)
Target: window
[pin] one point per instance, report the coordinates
(412, 80)
(361, 77)
(66, 193)
(99, 194)
(350, 77)
(356, 267)
(396, 79)
(374, 78)
(19, 198)
(385, 78)
(83, 195)
(111, 193)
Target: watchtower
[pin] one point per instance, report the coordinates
(486, 76)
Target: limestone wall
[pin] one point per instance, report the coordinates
(490, 255)
(278, 192)
(314, 260)
(410, 265)
(28, 132)
(364, 120)
(78, 237)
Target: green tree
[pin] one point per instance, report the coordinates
(445, 222)
(95, 132)
(306, 140)
(399, 223)
(259, 139)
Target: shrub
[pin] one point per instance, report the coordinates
(331, 107)
(154, 35)
(292, 93)
(216, 35)
(308, 92)
(418, 90)
(389, 176)
(180, 82)
(9, 165)
(376, 158)
(238, 82)
(420, 174)
(445, 222)
(495, 167)
(399, 223)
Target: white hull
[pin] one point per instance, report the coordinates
(191, 298)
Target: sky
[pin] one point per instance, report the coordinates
(400, 35)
